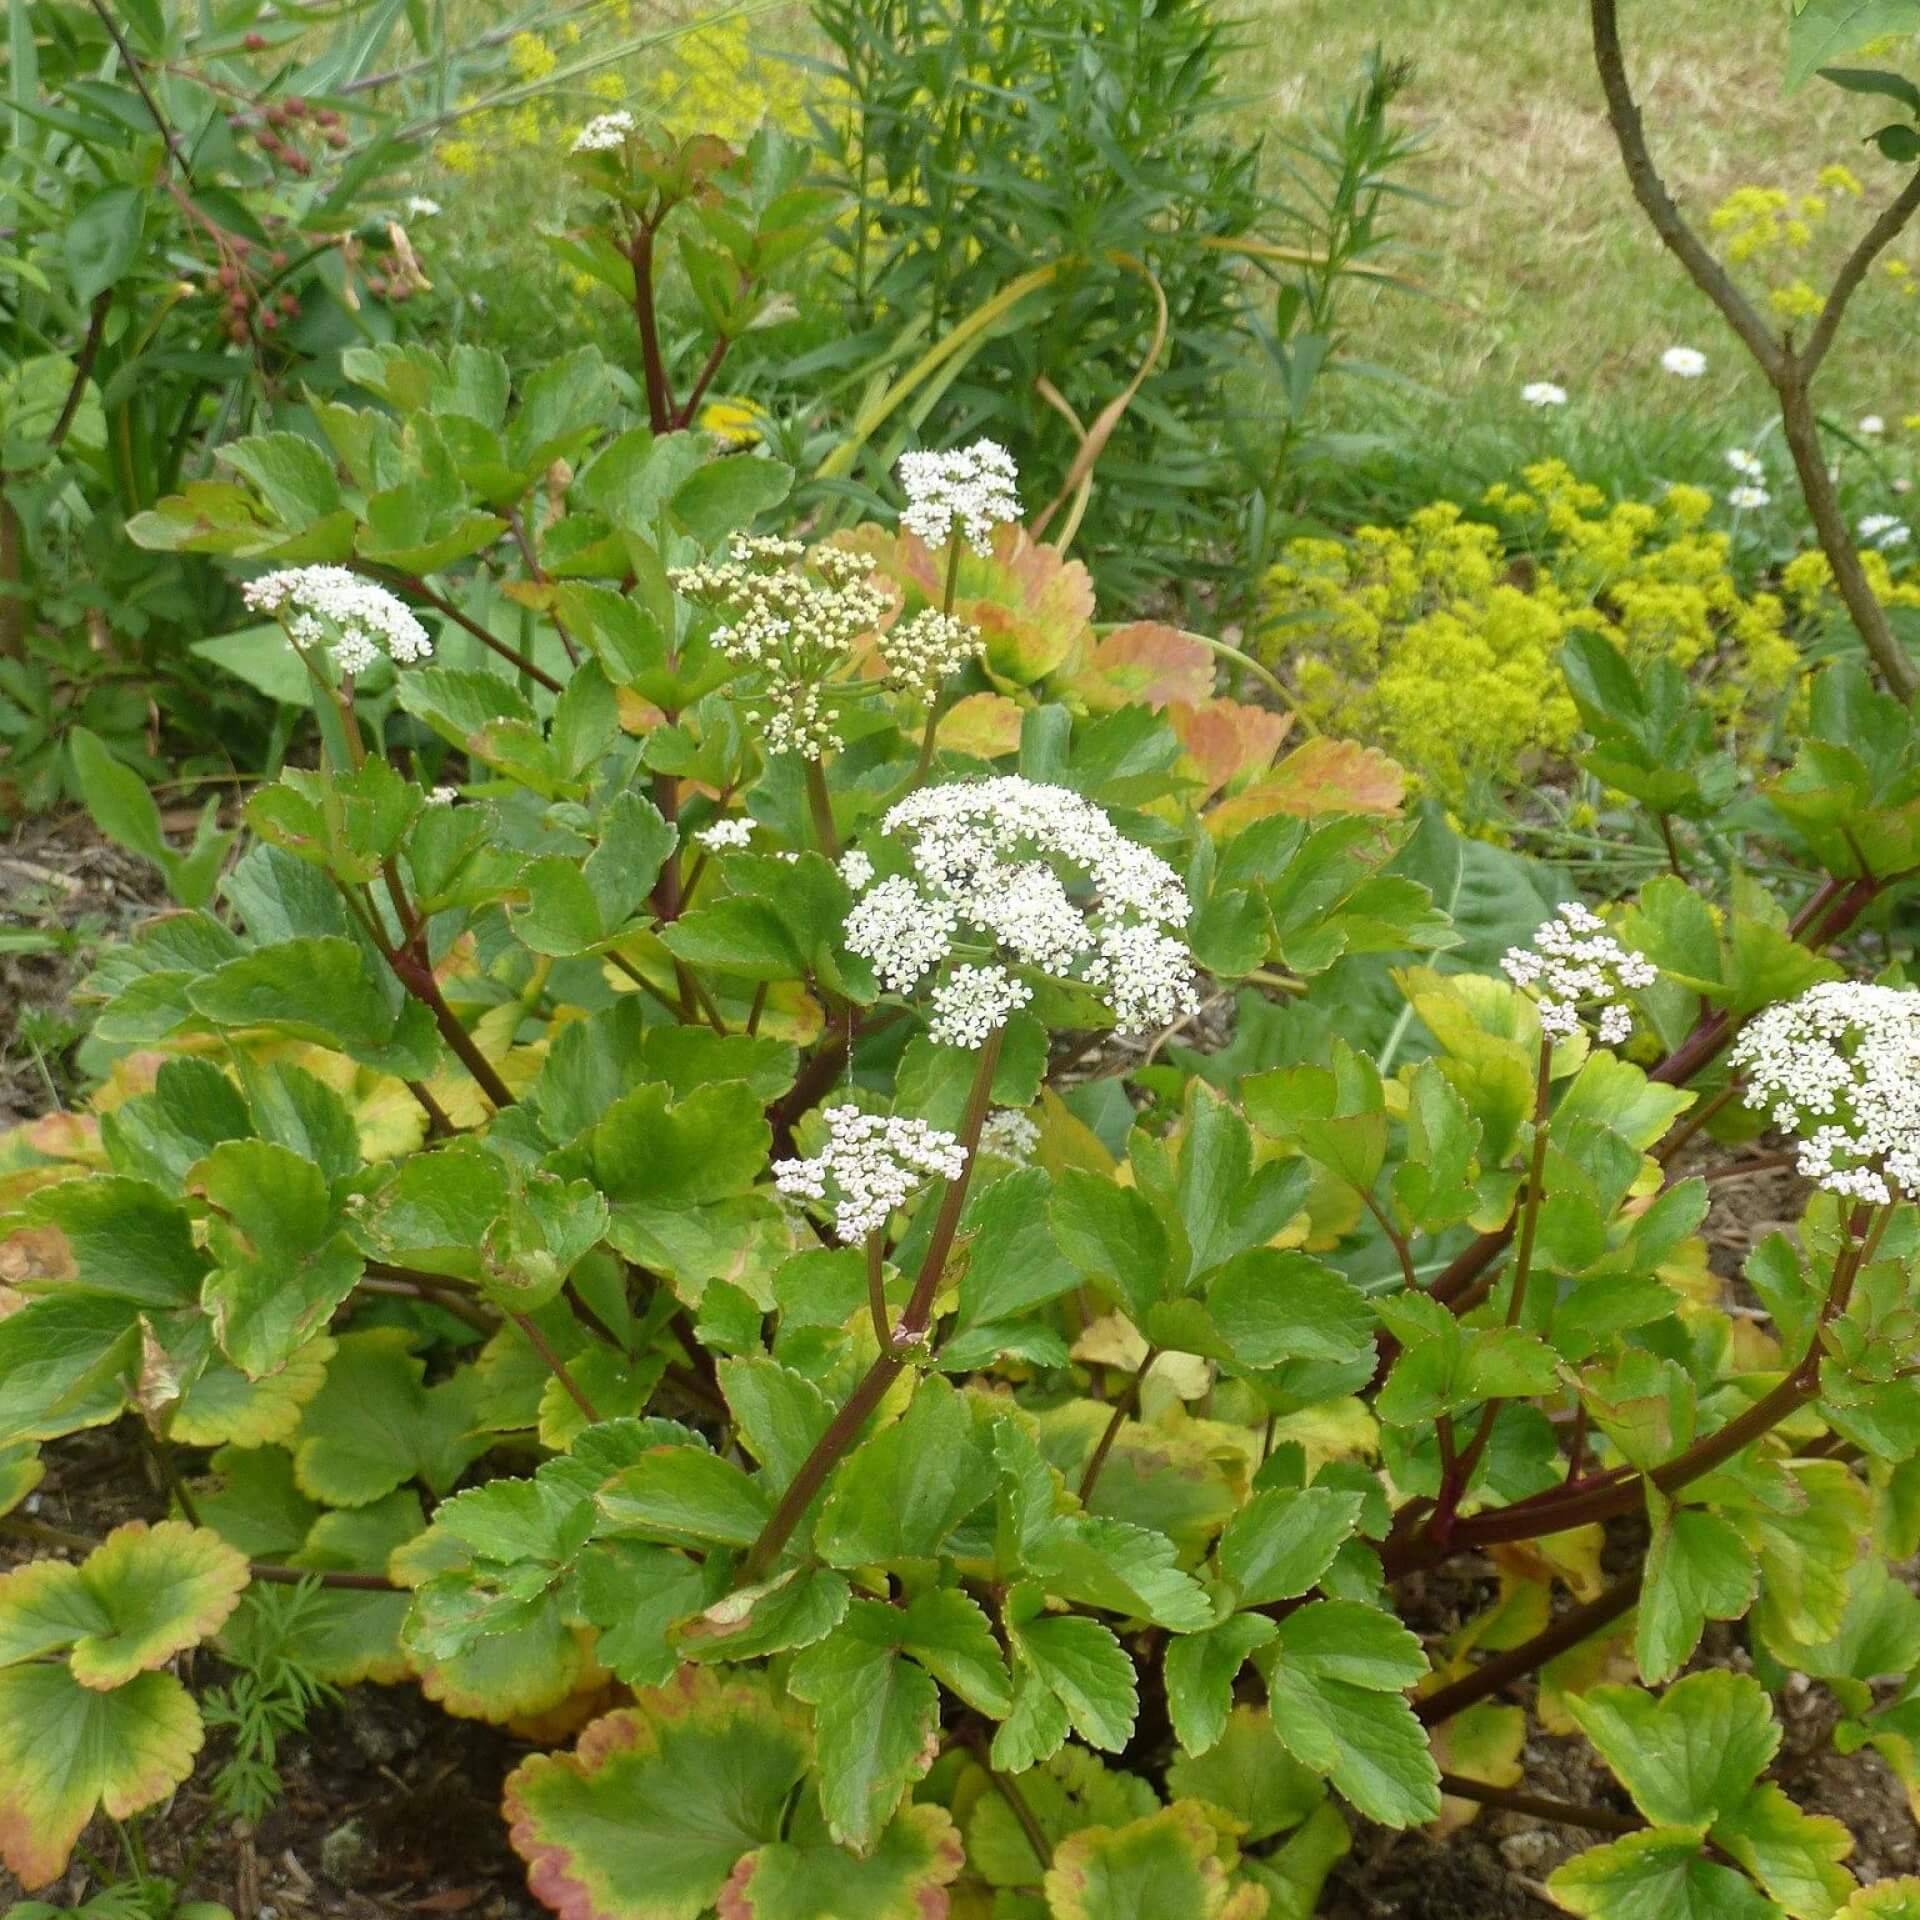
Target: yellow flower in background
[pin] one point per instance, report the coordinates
(733, 421)
(1435, 639)
(1797, 300)
(530, 58)
(1839, 179)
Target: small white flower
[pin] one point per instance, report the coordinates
(795, 618)
(1885, 530)
(974, 486)
(870, 1165)
(927, 649)
(1543, 393)
(419, 207)
(1840, 1067)
(1871, 425)
(1573, 966)
(1011, 1135)
(604, 133)
(1747, 499)
(1011, 870)
(726, 833)
(1688, 362)
(1748, 465)
(972, 1003)
(322, 606)
(856, 869)
(443, 796)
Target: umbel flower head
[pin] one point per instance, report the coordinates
(604, 133)
(1012, 871)
(1840, 1067)
(322, 606)
(1575, 967)
(922, 652)
(870, 1165)
(974, 486)
(796, 616)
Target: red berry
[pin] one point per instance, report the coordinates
(279, 260)
(254, 42)
(268, 319)
(289, 305)
(295, 106)
(336, 138)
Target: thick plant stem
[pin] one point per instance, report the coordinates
(1563, 1812)
(1530, 1655)
(821, 807)
(892, 1358)
(659, 400)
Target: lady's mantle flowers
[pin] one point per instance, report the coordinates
(1576, 966)
(319, 606)
(972, 485)
(796, 616)
(870, 1165)
(1840, 1066)
(986, 887)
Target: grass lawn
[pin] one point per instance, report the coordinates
(1539, 264)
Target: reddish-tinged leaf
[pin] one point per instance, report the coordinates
(1228, 741)
(1149, 663)
(1319, 776)
(986, 725)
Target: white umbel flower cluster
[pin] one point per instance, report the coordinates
(1840, 1067)
(1576, 966)
(923, 651)
(796, 616)
(975, 486)
(1011, 1135)
(992, 865)
(322, 606)
(604, 133)
(724, 834)
(870, 1165)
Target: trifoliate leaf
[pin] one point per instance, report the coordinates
(951, 1636)
(141, 1596)
(121, 1749)
(1081, 1663)
(1271, 1306)
(1795, 1856)
(903, 1491)
(1283, 1540)
(658, 1803)
(284, 1262)
(1698, 1569)
(1334, 1678)
(686, 1497)
(794, 1609)
(1660, 1871)
(1690, 1755)
(875, 1721)
(636, 1594)
(1200, 1671)
(1250, 1775)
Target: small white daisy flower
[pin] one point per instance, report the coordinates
(1871, 426)
(1885, 530)
(1749, 466)
(1689, 363)
(1543, 393)
(1747, 499)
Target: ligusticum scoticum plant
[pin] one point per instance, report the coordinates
(735, 1262)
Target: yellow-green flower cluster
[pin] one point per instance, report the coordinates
(1760, 221)
(1439, 638)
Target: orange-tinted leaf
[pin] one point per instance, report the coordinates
(1149, 663)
